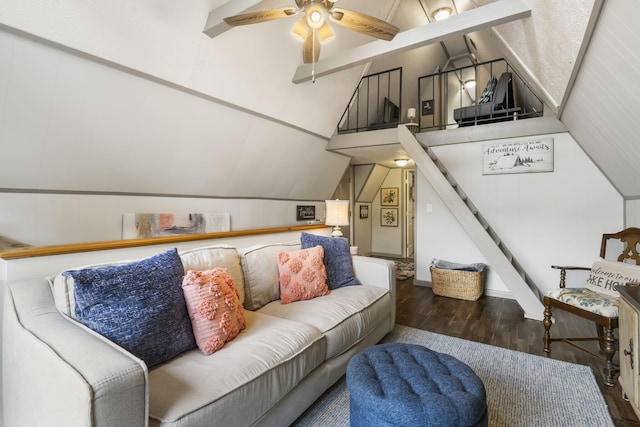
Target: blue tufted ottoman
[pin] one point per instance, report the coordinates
(399, 384)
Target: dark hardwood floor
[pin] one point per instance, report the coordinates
(500, 322)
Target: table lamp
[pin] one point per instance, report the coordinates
(337, 215)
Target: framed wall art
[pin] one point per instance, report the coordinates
(517, 157)
(427, 107)
(364, 211)
(389, 196)
(147, 225)
(389, 217)
(305, 212)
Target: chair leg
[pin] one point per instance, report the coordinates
(546, 338)
(609, 351)
(601, 337)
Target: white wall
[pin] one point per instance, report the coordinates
(544, 218)
(632, 213)
(51, 219)
(70, 122)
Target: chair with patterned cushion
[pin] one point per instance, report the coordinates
(597, 301)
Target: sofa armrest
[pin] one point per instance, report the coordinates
(377, 272)
(57, 372)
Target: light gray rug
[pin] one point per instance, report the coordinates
(522, 390)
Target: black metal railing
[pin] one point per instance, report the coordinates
(375, 104)
(454, 97)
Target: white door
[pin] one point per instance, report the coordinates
(409, 203)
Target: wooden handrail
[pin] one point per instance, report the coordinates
(38, 251)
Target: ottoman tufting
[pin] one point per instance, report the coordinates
(399, 384)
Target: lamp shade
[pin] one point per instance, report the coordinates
(337, 214)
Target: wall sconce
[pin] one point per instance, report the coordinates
(401, 162)
(442, 13)
(337, 215)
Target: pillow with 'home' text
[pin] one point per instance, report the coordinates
(605, 276)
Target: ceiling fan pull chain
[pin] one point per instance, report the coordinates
(313, 60)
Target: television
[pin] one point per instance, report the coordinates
(390, 112)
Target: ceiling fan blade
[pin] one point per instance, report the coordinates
(260, 16)
(328, 4)
(311, 48)
(301, 3)
(325, 32)
(364, 24)
(301, 28)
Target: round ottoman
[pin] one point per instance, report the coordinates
(399, 384)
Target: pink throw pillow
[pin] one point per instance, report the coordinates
(302, 274)
(213, 303)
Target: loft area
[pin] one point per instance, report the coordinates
(481, 93)
(447, 99)
(375, 104)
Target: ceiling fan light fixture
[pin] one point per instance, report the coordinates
(442, 13)
(315, 16)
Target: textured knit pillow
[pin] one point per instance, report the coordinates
(213, 302)
(337, 259)
(139, 306)
(605, 276)
(302, 275)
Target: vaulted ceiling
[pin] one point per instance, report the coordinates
(126, 85)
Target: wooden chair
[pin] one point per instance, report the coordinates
(606, 320)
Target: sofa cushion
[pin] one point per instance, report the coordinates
(345, 316)
(210, 257)
(302, 275)
(605, 276)
(261, 275)
(337, 259)
(239, 383)
(213, 303)
(139, 306)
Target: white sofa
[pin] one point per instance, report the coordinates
(57, 372)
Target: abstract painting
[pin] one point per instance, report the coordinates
(146, 225)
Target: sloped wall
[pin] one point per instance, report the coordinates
(544, 218)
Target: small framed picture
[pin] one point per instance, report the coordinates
(389, 217)
(389, 196)
(364, 211)
(427, 107)
(305, 213)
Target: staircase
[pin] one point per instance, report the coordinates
(498, 256)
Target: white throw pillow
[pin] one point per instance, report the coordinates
(605, 276)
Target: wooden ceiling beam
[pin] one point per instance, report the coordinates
(493, 14)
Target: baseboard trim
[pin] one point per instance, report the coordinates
(487, 292)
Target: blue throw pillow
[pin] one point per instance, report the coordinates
(140, 306)
(337, 259)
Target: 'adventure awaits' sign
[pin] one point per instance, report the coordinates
(517, 157)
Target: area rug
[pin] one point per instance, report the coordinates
(404, 270)
(522, 389)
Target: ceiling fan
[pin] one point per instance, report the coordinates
(313, 27)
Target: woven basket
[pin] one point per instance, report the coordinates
(467, 285)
